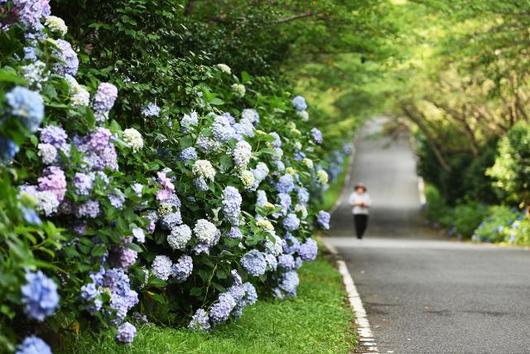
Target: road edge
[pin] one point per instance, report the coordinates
(366, 342)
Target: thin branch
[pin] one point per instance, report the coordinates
(188, 8)
(295, 17)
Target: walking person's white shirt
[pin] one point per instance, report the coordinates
(358, 198)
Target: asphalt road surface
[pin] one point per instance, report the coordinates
(424, 293)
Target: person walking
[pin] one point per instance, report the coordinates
(360, 200)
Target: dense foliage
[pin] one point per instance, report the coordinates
(142, 178)
(460, 78)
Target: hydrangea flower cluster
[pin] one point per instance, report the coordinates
(39, 296)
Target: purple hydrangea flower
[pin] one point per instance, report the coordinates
(182, 268)
(27, 105)
(31, 12)
(68, 62)
(254, 263)
(117, 199)
(53, 181)
(33, 345)
(232, 204)
(323, 219)
(83, 183)
(316, 135)
(105, 97)
(125, 257)
(55, 136)
(126, 333)
(291, 222)
(39, 296)
(171, 220)
(200, 321)
(308, 250)
(89, 209)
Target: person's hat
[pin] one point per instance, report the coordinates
(360, 185)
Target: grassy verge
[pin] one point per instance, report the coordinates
(335, 188)
(317, 321)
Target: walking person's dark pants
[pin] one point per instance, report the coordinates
(361, 222)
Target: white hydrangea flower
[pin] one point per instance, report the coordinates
(203, 168)
(308, 163)
(56, 24)
(298, 145)
(133, 139)
(242, 153)
(81, 98)
(265, 224)
(161, 267)
(247, 178)
(239, 89)
(302, 210)
(303, 115)
(322, 176)
(274, 247)
(179, 237)
(291, 171)
(48, 153)
(205, 231)
(224, 68)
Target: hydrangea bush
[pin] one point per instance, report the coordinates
(182, 213)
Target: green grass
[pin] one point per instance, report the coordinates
(317, 321)
(335, 188)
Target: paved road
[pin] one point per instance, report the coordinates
(422, 293)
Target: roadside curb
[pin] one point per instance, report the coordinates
(366, 341)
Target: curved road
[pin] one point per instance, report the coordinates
(425, 294)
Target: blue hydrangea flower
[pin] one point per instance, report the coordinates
(31, 13)
(188, 154)
(323, 219)
(68, 62)
(291, 222)
(8, 150)
(308, 250)
(151, 110)
(302, 195)
(33, 345)
(234, 233)
(285, 202)
(254, 263)
(30, 215)
(221, 309)
(299, 103)
(189, 121)
(290, 244)
(285, 184)
(286, 262)
(39, 296)
(288, 284)
(126, 333)
(200, 321)
(251, 115)
(182, 268)
(277, 142)
(272, 262)
(232, 204)
(27, 105)
(222, 130)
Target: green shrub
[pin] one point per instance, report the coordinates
(512, 165)
(495, 227)
(467, 217)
